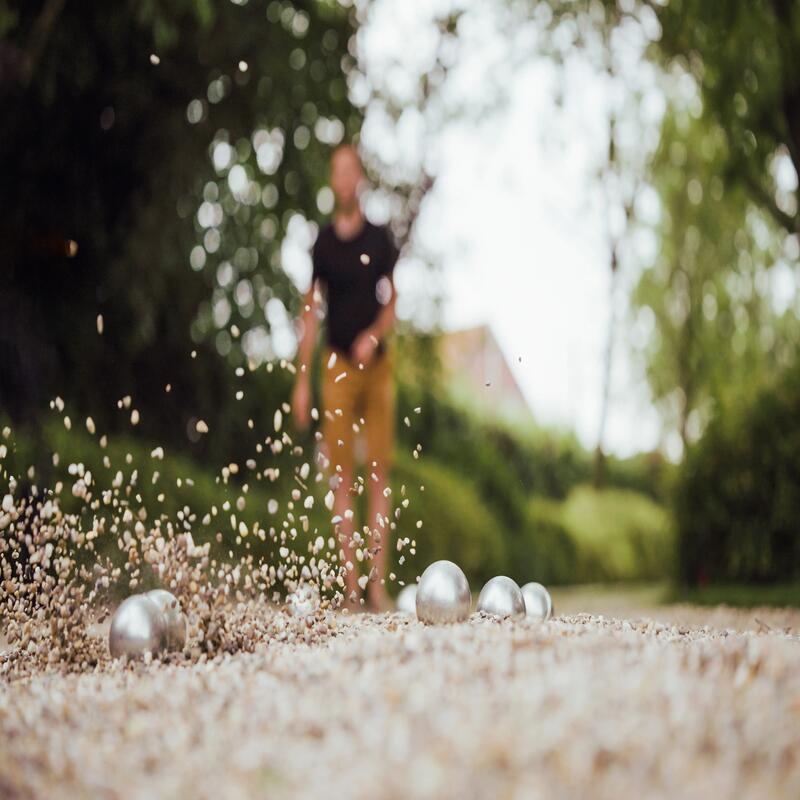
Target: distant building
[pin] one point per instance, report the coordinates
(479, 373)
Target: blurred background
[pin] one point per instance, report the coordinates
(597, 204)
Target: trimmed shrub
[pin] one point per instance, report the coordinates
(457, 525)
(737, 497)
(620, 535)
(596, 535)
(544, 551)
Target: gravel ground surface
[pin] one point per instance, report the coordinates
(381, 706)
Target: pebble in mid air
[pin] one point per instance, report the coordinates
(303, 601)
(443, 594)
(173, 617)
(137, 627)
(538, 603)
(501, 597)
(407, 600)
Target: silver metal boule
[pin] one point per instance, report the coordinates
(501, 597)
(137, 627)
(173, 617)
(538, 603)
(407, 600)
(443, 594)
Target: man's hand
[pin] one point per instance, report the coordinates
(364, 347)
(301, 401)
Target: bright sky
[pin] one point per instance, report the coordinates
(512, 221)
(515, 223)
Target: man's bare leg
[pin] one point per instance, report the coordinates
(379, 523)
(343, 502)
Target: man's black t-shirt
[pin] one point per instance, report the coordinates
(351, 271)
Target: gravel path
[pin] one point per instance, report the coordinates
(383, 707)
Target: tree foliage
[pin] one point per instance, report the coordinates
(707, 298)
(743, 55)
(726, 177)
(737, 496)
(111, 117)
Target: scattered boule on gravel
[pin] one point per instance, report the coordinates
(138, 628)
(502, 598)
(538, 603)
(174, 619)
(443, 595)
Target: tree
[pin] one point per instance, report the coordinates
(743, 56)
(111, 119)
(612, 40)
(706, 297)
(726, 175)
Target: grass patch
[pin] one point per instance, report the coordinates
(737, 595)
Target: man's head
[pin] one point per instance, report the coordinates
(346, 176)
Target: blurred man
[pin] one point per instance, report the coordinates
(353, 263)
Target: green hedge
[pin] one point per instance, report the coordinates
(182, 482)
(478, 513)
(544, 551)
(596, 535)
(457, 524)
(509, 463)
(737, 497)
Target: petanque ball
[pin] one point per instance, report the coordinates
(443, 594)
(137, 627)
(501, 597)
(538, 603)
(173, 617)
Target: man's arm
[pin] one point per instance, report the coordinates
(301, 397)
(386, 317)
(367, 341)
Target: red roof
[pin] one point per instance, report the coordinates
(478, 368)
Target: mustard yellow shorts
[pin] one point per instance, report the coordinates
(358, 412)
